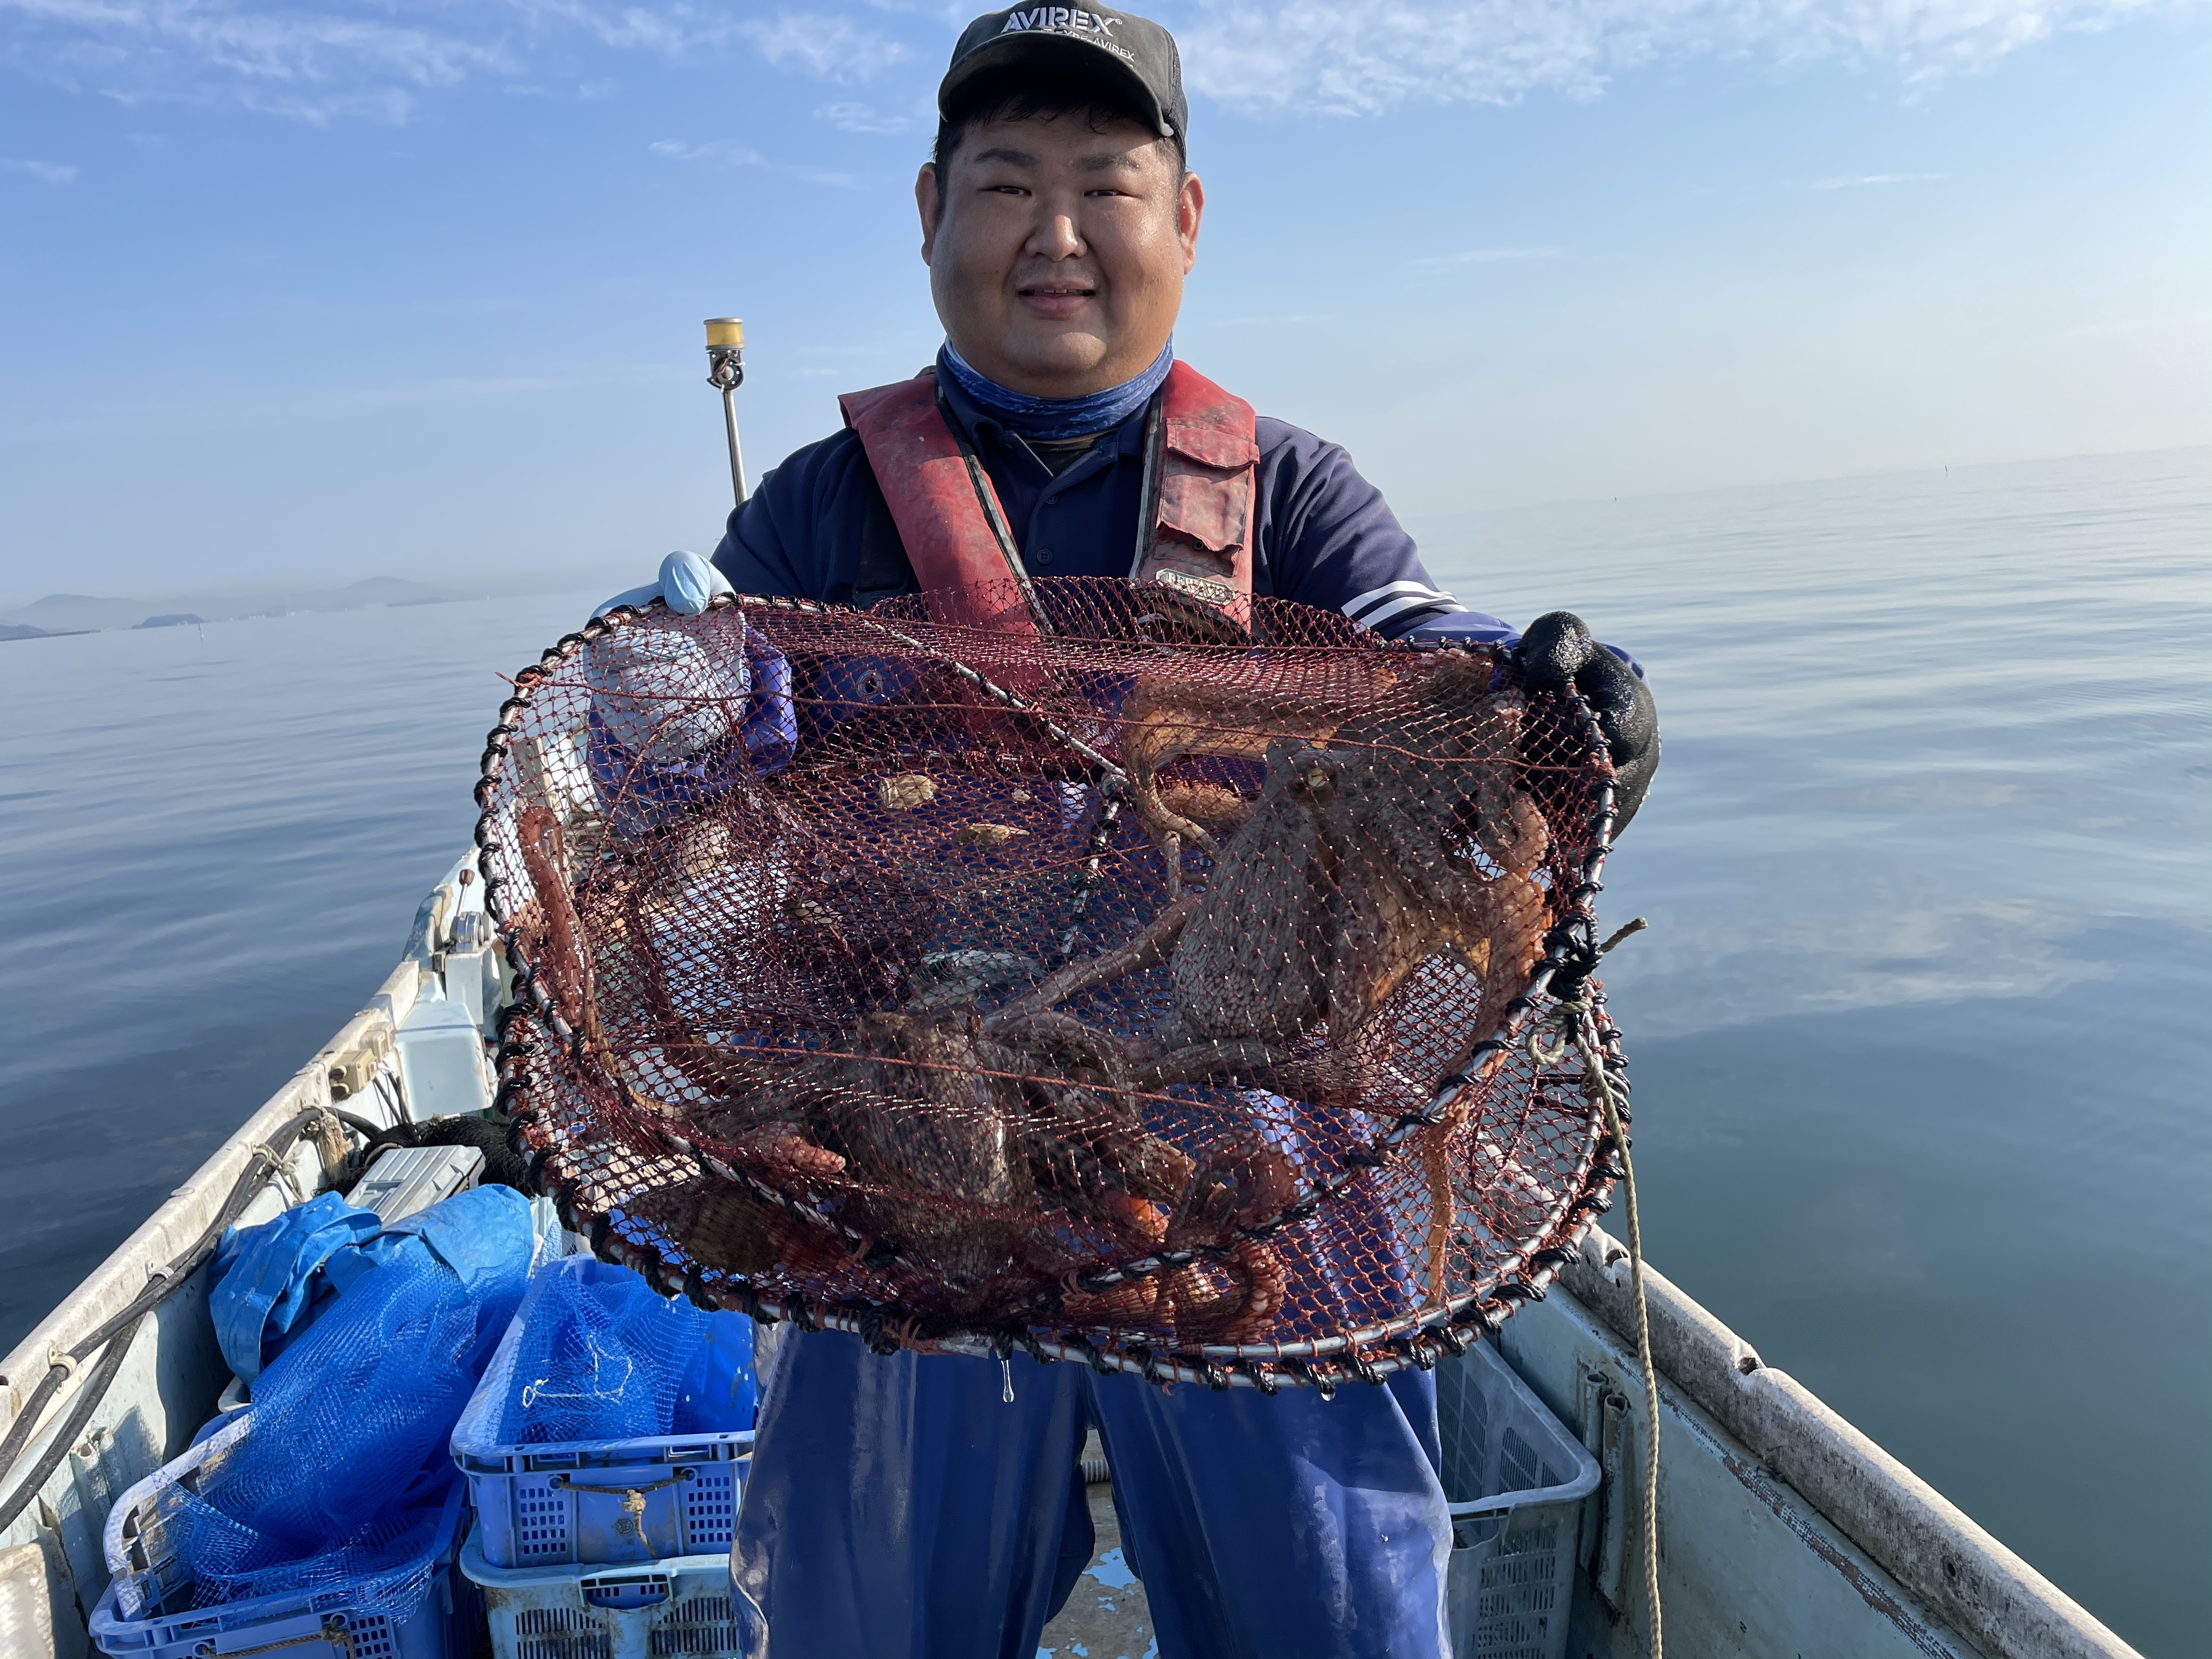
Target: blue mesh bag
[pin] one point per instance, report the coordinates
(601, 1357)
(340, 1482)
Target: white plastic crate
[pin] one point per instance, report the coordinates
(596, 1501)
(685, 1606)
(1515, 1481)
(152, 1573)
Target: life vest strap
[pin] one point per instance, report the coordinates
(1201, 467)
(948, 515)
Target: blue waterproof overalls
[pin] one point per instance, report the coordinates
(900, 1507)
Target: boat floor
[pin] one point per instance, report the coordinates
(1106, 1616)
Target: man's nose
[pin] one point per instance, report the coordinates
(1054, 237)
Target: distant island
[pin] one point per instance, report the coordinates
(84, 613)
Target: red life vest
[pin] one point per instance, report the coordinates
(1201, 470)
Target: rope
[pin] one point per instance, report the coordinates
(88, 1400)
(280, 1165)
(1583, 1026)
(62, 1364)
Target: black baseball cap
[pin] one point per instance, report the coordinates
(1089, 39)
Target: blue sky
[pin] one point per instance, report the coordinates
(334, 288)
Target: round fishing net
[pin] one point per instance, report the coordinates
(1102, 974)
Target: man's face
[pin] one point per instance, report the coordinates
(1056, 254)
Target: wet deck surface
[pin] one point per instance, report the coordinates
(1105, 1617)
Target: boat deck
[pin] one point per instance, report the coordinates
(1106, 1617)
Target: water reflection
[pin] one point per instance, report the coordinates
(1918, 1034)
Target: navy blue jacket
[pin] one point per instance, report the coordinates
(1326, 536)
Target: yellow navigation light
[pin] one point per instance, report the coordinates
(725, 372)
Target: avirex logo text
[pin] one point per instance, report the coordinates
(1060, 18)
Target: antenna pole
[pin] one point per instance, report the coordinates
(725, 372)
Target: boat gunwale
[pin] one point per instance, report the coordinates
(180, 1220)
(1937, 1553)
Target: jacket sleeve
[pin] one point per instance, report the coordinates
(1327, 539)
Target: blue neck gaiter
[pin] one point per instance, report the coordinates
(1048, 420)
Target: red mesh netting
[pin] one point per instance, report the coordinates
(1150, 987)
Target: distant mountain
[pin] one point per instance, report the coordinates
(187, 619)
(73, 613)
(393, 590)
(59, 612)
(21, 631)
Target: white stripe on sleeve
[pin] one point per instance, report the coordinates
(1378, 603)
(1421, 598)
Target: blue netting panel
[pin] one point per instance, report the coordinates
(602, 1356)
(385, 1567)
(339, 1483)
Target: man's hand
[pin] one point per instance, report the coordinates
(1556, 651)
(686, 581)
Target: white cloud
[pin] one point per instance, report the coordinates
(861, 118)
(1361, 60)
(832, 48)
(727, 151)
(1484, 256)
(320, 60)
(47, 172)
(586, 92)
(308, 64)
(1854, 182)
(317, 60)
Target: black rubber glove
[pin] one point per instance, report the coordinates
(1557, 650)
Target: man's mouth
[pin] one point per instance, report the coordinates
(1055, 299)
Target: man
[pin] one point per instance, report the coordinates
(903, 1505)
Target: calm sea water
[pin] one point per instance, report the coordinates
(1919, 1037)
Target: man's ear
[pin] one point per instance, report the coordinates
(1190, 208)
(929, 205)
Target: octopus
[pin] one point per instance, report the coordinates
(545, 856)
(1165, 718)
(1373, 849)
(951, 1150)
(975, 1159)
(989, 1152)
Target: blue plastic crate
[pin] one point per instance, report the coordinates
(151, 1571)
(596, 1501)
(1515, 1481)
